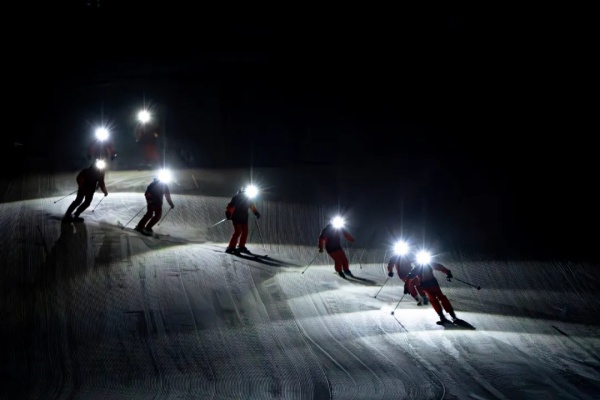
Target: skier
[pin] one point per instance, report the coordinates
(424, 279)
(154, 199)
(101, 150)
(88, 180)
(404, 266)
(147, 135)
(330, 238)
(237, 212)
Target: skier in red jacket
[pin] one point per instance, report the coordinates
(423, 277)
(330, 239)
(88, 180)
(403, 265)
(237, 212)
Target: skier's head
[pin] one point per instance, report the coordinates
(98, 165)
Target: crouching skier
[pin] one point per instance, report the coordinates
(154, 199)
(424, 279)
(88, 180)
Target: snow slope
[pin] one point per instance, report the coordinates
(94, 311)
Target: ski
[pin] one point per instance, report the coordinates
(457, 323)
(153, 235)
(252, 255)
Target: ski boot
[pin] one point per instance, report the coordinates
(231, 250)
(242, 249)
(347, 272)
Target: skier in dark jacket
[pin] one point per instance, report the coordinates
(154, 198)
(423, 277)
(330, 239)
(403, 265)
(237, 212)
(88, 180)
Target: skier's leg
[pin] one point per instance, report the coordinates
(88, 196)
(337, 260)
(243, 235)
(237, 231)
(157, 209)
(142, 224)
(434, 301)
(78, 200)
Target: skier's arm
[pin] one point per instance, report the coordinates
(229, 210)
(322, 240)
(348, 236)
(254, 210)
(442, 269)
(168, 196)
(80, 179)
(103, 186)
(390, 267)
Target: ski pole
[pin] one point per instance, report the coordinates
(165, 216)
(360, 258)
(215, 224)
(142, 209)
(98, 203)
(470, 284)
(309, 264)
(381, 287)
(398, 303)
(260, 234)
(65, 197)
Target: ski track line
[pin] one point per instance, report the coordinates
(281, 346)
(257, 387)
(374, 348)
(211, 376)
(358, 337)
(209, 373)
(325, 325)
(227, 349)
(277, 374)
(415, 355)
(539, 350)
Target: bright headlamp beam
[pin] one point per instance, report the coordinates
(401, 248)
(100, 164)
(251, 191)
(164, 176)
(144, 116)
(338, 222)
(102, 133)
(423, 257)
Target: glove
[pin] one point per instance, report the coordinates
(449, 276)
(172, 206)
(257, 215)
(390, 274)
(113, 156)
(320, 249)
(406, 288)
(227, 215)
(105, 194)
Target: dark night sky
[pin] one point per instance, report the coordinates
(483, 109)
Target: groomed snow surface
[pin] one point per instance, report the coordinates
(94, 311)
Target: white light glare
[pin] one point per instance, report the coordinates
(401, 248)
(144, 116)
(100, 164)
(102, 133)
(423, 257)
(251, 191)
(164, 176)
(338, 222)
